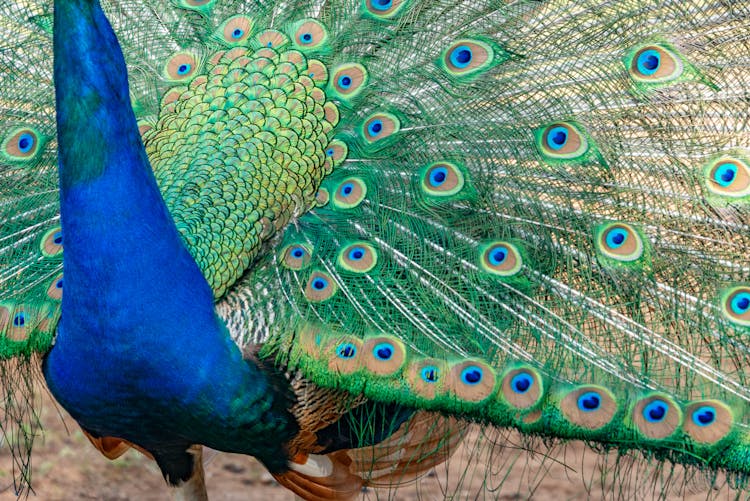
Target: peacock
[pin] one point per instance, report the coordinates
(326, 233)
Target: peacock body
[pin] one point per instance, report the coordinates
(529, 214)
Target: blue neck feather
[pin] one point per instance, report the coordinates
(140, 351)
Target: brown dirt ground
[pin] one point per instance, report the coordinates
(66, 466)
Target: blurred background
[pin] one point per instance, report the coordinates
(66, 467)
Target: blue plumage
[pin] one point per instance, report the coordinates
(529, 214)
(161, 360)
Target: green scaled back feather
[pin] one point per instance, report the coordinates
(532, 214)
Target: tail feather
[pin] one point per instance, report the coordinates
(420, 444)
(323, 478)
(426, 441)
(531, 214)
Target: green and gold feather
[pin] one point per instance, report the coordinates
(529, 214)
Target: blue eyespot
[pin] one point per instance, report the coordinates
(589, 401)
(347, 189)
(616, 237)
(57, 238)
(704, 416)
(382, 4)
(346, 350)
(725, 174)
(19, 320)
(59, 284)
(521, 383)
(471, 375)
(306, 38)
(498, 255)
(184, 69)
(320, 284)
(438, 176)
(25, 142)
(345, 81)
(298, 252)
(740, 303)
(375, 127)
(655, 411)
(356, 253)
(429, 374)
(648, 62)
(557, 137)
(461, 56)
(383, 351)
(237, 33)
(269, 44)
(330, 152)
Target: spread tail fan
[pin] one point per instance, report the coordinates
(529, 214)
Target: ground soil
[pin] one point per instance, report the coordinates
(67, 467)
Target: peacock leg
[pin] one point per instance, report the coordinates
(194, 489)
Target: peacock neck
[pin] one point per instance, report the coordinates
(96, 126)
(135, 302)
(140, 352)
(121, 246)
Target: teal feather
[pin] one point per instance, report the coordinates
(528, 214)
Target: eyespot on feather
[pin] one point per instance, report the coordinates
(311, 339)
(426, 377)
(348, 81)
(331, 113)
(55, 289)
(561, 141)
(296, 256)
(337, 150)
(728, 176)
(442, 179)
(590, 407)
(14, 322)
(349, 193)
(619, 241)
(272, 39)
(383, 9)
(379, 127)
(358, 257)
(735, 305)
(708, 421)
(654, 64)
(383, 355)
(236, 30)
(22, 144)
(320, 287)
(466, 58)
(522, 388)
(322, 197)
(471, 380)
(344, 354)
(656, 416)
(48, 321)
(51, 243)
(318, 72)
(181, 67)
(310, 35)
(501, 258)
